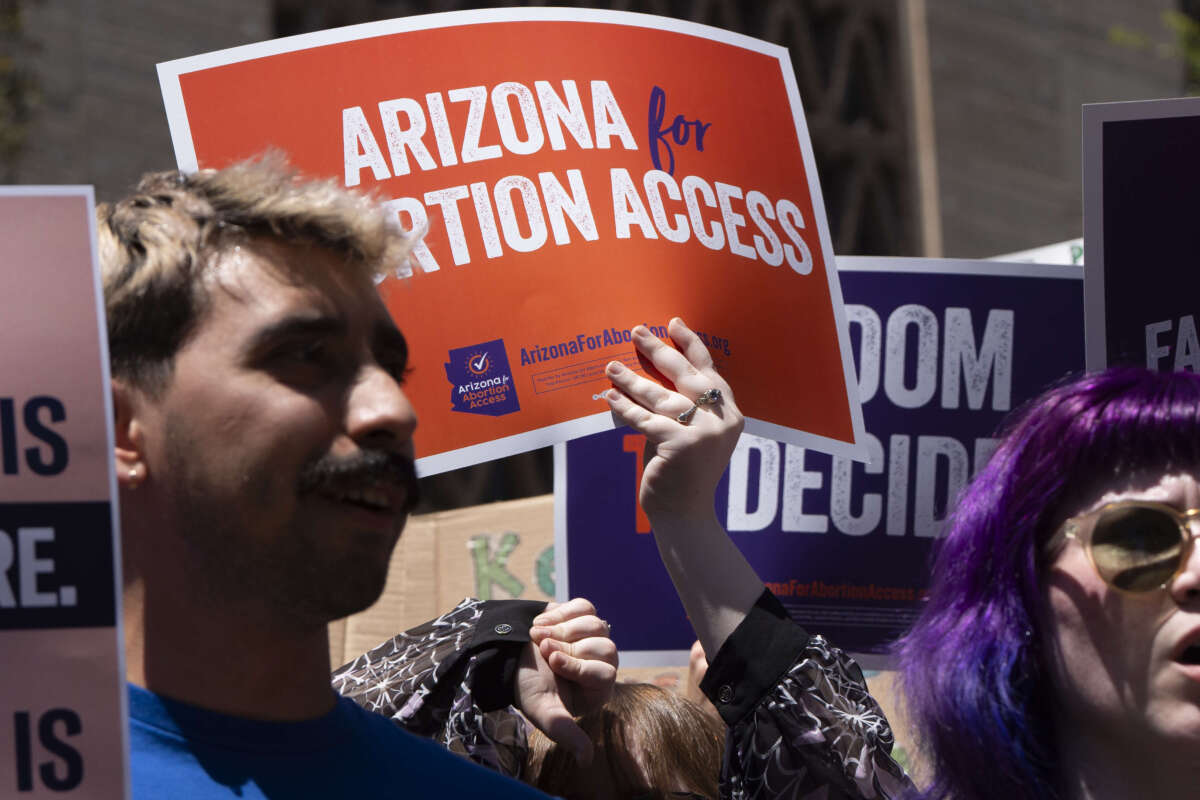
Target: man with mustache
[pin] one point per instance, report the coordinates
(265, 460)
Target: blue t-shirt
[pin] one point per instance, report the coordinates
(178, 750)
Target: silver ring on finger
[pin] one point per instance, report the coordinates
(708, 397)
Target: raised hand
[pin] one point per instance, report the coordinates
(567, 670)
(684, 459)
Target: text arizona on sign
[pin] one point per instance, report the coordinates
(361, 146)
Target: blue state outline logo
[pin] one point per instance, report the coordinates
(481, 380)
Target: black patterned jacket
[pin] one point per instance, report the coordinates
(802, 725)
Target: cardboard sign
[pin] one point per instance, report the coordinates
(62, 677)
(1140, 172)
(944, 350)
(575, 173)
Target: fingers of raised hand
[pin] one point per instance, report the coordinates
(626, 412)
(645, 392)
(600, 649)
(689, 343)
(590, 663)
(670, 419)
(676, 366)
(571, 630)
(691, 371)
(555, 613)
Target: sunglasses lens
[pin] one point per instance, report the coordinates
(1136, 548)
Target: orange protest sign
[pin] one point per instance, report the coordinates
(575, 173)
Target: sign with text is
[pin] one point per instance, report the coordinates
(575, 173)
(944, 350)
(1141, 168)
(62, 678)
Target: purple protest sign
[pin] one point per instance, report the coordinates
(1140, 170)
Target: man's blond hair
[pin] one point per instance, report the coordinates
(156, 245)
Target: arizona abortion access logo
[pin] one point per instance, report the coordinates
(481, 380)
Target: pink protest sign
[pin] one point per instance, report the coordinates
(62, 682)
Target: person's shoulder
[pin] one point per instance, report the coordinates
(426, 767)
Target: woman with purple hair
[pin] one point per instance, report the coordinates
(1059, 652)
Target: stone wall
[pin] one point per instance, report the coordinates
(100, 117)
(1008, 80)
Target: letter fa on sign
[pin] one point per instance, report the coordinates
(1185, 350)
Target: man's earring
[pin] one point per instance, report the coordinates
(135, 477)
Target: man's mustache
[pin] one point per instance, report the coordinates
(365, 467)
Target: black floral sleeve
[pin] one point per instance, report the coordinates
(802, 725)
(451, 679)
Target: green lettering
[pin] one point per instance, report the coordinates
(543, 570)
(491, 569)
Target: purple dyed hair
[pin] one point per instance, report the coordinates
(971, 668)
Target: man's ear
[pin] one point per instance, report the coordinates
(129, 435)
